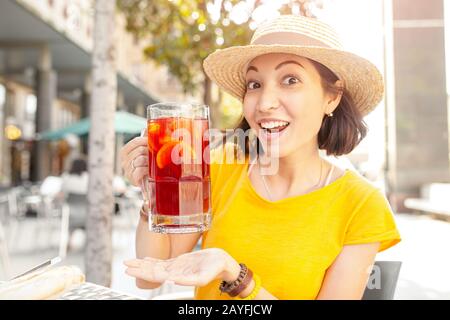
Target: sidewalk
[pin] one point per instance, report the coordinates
(423, 251)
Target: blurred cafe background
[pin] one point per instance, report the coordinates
(46, 116)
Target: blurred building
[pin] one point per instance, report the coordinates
(417, 122)
(45, 71)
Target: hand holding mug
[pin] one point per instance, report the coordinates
(134, 159)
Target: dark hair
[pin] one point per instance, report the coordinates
(78, 166)
(339, 134)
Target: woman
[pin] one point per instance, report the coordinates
(309, 230)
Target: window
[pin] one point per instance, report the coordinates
(30, 106)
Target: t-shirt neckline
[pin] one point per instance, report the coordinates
(306, 196)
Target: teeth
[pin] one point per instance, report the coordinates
(273, 124)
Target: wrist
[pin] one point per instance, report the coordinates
(248, 290)
(231, 270)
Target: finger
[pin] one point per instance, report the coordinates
(130, 146)
(137, 152)
(127, 161)
(141, 161)
(150, 270)
(126, 158)
(133, 144)
(138, 174)
(144, 275)
(134, 263)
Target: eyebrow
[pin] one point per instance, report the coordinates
(278, 66)
(289, 62)
(252, 68)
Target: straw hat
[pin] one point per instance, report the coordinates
(305, 37)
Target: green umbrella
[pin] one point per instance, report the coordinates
(124, 122)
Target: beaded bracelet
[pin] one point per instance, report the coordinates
(255, 290)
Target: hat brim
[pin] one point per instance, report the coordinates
(362, 80)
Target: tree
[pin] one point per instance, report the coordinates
(101, 147)
(183, 33)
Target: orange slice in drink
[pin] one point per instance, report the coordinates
(163, 157)
(153, 127)
(163, 140)
(153, 135)
(164, 154)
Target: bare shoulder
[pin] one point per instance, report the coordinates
(337, 171)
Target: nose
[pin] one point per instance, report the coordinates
(268, 100)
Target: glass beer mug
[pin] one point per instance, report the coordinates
(177, 188)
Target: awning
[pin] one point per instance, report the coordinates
(124, 123)
(22, 31)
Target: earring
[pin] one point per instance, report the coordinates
(330, 115)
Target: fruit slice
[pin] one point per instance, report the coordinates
(165, 139)
(163, 157)
(164, 154)
(153, 135)
(153, 127)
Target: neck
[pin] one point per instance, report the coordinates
(299, 172)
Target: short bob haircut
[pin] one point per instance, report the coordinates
(339, 134)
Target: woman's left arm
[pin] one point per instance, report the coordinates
(346, 278)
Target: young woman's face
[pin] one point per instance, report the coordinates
(285, 101)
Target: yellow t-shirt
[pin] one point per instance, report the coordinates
(290, 243)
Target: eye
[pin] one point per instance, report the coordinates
(289, 80)
(251, 85)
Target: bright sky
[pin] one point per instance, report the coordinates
(359, 25)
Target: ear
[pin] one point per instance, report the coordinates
(333, 99)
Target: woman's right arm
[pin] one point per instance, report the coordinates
(151, 244)
(161, 246)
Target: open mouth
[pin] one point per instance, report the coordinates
(274, 126)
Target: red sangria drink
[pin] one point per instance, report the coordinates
(179, 180)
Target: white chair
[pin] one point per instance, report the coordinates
(15, 213)
(50, 215)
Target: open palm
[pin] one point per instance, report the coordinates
(191, 269)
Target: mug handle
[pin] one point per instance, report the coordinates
(144, 182)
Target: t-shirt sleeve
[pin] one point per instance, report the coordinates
(373, 221)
